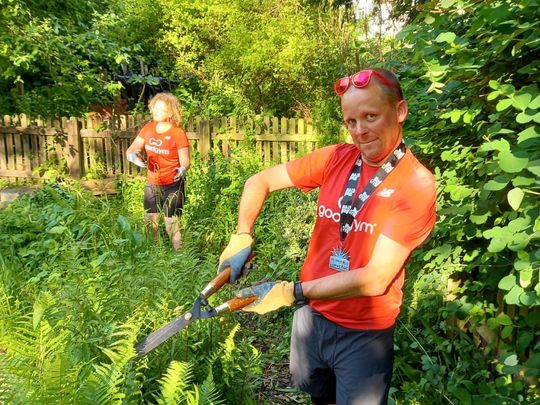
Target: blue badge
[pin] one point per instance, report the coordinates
(339, 260)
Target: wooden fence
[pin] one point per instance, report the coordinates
(87, 144)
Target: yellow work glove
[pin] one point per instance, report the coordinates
(270, 296)
(236, 255)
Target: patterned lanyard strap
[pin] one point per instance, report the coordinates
(350, 210)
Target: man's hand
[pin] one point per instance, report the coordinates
(135, 159)
(236, 255)
(270, 296)
(180, 172)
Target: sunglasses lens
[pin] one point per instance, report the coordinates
(361, 79)
(341, 85)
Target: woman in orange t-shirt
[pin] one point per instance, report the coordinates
(167, 151)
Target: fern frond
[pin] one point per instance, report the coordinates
(35, 360)
(174, 383)
(112, 383)
(123, 349)
(209, 394)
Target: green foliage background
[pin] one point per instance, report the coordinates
(77, 292)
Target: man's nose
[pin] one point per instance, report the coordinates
(358, 127)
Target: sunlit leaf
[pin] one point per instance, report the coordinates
(527, 298)
(512, 297)
(496, 184)
(448, 37)
(515, 197)
(529, 134)
(511, 163)
(511, 360)
(507, 282)
(525, 278)
(524, 117)
(534, 167)
(521, 101)
(503, 104)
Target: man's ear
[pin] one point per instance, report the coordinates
(402, 110)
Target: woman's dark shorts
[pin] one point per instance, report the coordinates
(168, 199)
(339, 365)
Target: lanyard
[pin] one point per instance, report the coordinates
(350, 210)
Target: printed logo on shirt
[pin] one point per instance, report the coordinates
(155, 142)
(168, 138)
(356, 226)
(386, 192)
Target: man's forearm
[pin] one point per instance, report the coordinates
(251, 203)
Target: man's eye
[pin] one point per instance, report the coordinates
(371, 117)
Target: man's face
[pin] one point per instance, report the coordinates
(373, 122)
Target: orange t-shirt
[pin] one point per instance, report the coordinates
(402, 208)
(162, 152)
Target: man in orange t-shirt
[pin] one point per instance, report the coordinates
(376, 205)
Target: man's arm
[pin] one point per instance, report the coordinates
(255, 192)
(387, 260)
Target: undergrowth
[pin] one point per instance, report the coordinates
(81, 282)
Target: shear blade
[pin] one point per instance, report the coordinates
(153, 340)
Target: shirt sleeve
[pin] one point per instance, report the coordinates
(145, 131)
(180, 138)
(307, 172)
(413, 215)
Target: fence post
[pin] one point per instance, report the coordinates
(204, 142)
(75, 152)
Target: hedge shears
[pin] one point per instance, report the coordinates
(200, 309)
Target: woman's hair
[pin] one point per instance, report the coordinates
(173, 104)
(393, 95)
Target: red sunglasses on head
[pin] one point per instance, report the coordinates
(359, 80)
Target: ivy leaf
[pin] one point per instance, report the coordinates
(507, 331)
(502, 145)
(535, 104)
(524, 118)
(515, 197)
(507, 282)
(447, 3)
(511, 360)
(534, 167)
(530, 133)
(510, 163)
(497, 244)
(525, 278)
(527, 298)
(493, 95)
(496, 184)
(448, 37)
(504, 104)
(479, 219)
(522, 101)
(523, 181)
(513, 296)
(454, 116)
(503, 319)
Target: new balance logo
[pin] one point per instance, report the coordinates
(386, 192)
